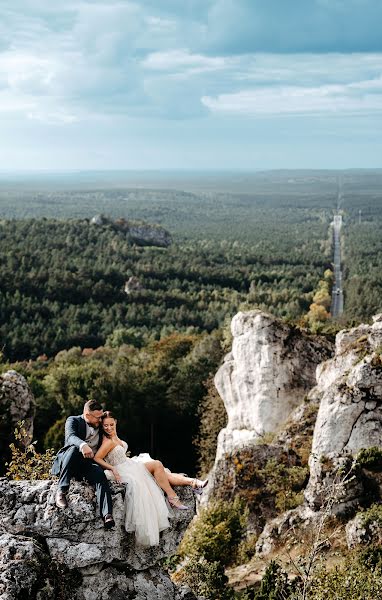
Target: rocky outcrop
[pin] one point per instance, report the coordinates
(47, 553)
(16, 404)
(350, 415)
(263, 382)
(148, 235)
(270, 370)
(138, 232)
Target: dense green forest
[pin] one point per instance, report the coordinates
(362, 246)
(258, 241)
(62, 280)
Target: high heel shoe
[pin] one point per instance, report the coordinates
(198, 485)
(174, 501)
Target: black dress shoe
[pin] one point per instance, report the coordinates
(61, 501)
(108, 521)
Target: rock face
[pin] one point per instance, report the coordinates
(149, 235)
(16, 404)
(46, 552)
(138, 232)
(350, 414)
(266, 376)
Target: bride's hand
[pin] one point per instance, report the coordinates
(117, 476)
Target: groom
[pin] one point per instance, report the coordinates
(75, 459)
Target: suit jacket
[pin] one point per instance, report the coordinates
(75, 435)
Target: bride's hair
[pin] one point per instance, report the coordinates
(107, 415)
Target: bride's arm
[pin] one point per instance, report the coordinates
(103, 450)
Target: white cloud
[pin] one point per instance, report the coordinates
(180, 60)
(100, 58)
(274, 100)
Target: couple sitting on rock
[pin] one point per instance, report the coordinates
(93, 451)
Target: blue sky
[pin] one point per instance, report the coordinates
(200, 84)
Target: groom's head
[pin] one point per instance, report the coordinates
(93, 412)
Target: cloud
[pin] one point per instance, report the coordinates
(161, 58)
(181, 60)
(360, 97)
(243, 26)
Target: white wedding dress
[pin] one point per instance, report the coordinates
(146, 510)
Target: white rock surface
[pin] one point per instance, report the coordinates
(266, 376)
(350, 414)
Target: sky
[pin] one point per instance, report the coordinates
(190, 84)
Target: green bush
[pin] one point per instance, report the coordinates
(216, 533)
(285, 482)
(372, 515)
(246, 550)
(354, 580)
(370, 458)
(26, 462)
(206, 579)
(275, 584)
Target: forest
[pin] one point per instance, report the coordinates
(264, 241)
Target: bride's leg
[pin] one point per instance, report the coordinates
(179, 479)
(156, 468)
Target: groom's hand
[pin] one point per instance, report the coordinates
(87, 452)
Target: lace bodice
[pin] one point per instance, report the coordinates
(117, 455)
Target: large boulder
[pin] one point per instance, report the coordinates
(270, 370)
(49, 546)
(16, 404)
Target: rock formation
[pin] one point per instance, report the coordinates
(138, 232)
(16, 404)
(148, 235)
(48, 553)
(270, 370)
(350, 415)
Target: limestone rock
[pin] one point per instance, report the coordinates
(138, 232)
(279, 529)
(21, 565)
(16, 404)
(99, 220)
(149, 235)
(360, 531)
(108, 564)
(266, 376)
(350, 414)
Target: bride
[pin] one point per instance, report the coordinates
(146, 510)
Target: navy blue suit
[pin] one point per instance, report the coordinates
(70, 463)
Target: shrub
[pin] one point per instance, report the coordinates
(370, 458)
(354, 580)
(275, 584)
(26, 462)
(246, 550)
(372, 515)
(206, 579)
(216, 533)
(286, 482)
